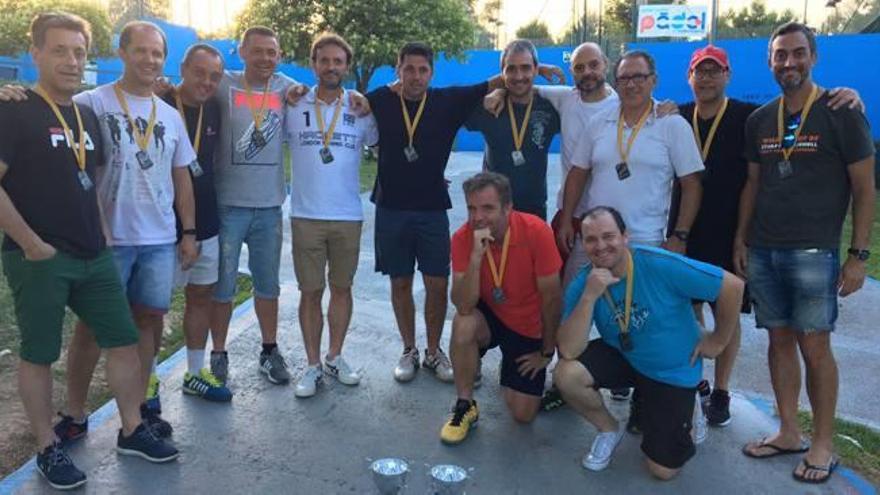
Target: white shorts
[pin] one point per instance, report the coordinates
(206, 269)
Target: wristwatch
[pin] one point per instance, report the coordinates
(681, 235)
(859, 254)
(188, 232)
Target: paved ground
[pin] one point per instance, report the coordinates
(267, 441)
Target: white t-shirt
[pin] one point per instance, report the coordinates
(138, 203)
(574, 114)
(326, 191)
(663, 149)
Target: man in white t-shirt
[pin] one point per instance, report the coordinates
(326, 140)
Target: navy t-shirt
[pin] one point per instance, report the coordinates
(419, 185)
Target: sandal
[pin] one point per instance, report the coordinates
(775, 450)
(827, 469)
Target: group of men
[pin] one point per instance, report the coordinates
(151, 191)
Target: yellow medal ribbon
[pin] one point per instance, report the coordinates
(79, 152)
(624, 153)
(704, 148)
(519, 133)
(786, 153)
(261, 114)
(412, 124)
(198, 138)
(326, 137)
(142, 140)
(498, 276)
(623, 323)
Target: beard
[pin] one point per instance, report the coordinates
(591, 84)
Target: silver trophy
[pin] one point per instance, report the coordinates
(447, 479)
(389, 475)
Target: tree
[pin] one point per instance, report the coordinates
(488, 23)
(754, 21)
(536, 32)
(18, 14)
(122, 11)
(375, 28)
(580, 31)
(851, 16)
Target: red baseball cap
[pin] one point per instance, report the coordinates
(709, 52)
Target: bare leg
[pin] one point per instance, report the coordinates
(523, 407)
(35, 390)
(822, 385)
(311, 321)
(267, 315)
(197, 315)
(82, 358)
(404, 309)
(576, 385)
(123, 376)
(725, 361)
(435, 309)
(339, 318)
(469, 332)
(221, 314)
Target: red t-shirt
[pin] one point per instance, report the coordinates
(531, 254)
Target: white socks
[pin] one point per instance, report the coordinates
(195, 360)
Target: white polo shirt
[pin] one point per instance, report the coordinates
(664, 149)
(327, 191)
(574, 114)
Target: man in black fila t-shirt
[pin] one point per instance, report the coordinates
(54, 252)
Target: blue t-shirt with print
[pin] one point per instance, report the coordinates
(663, 328)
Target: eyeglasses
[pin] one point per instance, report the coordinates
(637, 79)
(714, 73)
(788, 139)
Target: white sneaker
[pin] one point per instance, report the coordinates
(602, 449)
(340, 370)
(439, 364)
(407, 365)
(308, 383)
(700, 426)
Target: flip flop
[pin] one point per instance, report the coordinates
(775, 450)
(827, 469)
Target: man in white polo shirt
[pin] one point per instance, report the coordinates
(326, 140)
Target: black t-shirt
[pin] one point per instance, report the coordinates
(419, 185)
(207, 222)
(806, 209)
(42, 180)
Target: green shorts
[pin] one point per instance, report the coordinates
(42, 289)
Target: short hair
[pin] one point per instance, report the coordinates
(790, 28)
(519, 46)
(132, 26)
(201, 47)
(595, 211)
(652, 67)
(327, 39)
(488, 179)
(58, 20)
(257, 31)
(416, 48)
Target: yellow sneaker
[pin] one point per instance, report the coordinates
(464, 417)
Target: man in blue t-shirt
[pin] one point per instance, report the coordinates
(639, 298)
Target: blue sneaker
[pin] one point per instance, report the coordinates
(153, 420)
(69, 430)
(54, 464)
(206, 386)
(143, 443)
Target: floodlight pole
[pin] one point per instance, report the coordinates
(713, 22)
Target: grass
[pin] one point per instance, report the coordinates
(858, 446)
(846, 235)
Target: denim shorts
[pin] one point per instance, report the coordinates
(404, 237)
(260, 228)
(147, 274)
(794, 288)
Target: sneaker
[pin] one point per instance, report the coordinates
(552, 399)
(54, 464)
(634, 423)
(439, 364)
(464, 417)
(718, 409)
(340, 370)
(602, 449)
(620, 394)
(206, 386)
(700, 427)
(407, 365)
(143, 443)
(274, 367)
(152, 396)
(152, 419)
(308, 384)
(69, 430)
(220, 365)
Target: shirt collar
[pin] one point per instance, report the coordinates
(613, 116)
(312, 96)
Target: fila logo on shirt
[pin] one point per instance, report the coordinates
(56, 136)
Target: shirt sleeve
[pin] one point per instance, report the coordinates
(683, 150)
(370, 130)
(853, 134)
(690, 278)
(555, 94)
(547, 260)
(475, 121)
(582, 151)
(461, 248)
(464, 99)
(183, 153)
(89, 99)
(751, 131)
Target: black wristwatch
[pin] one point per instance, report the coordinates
(859, 254)
(681, 235)
(188, 232)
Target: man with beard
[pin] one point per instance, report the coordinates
(806, 161)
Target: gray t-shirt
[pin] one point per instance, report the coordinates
(250, 173)
(806, 209)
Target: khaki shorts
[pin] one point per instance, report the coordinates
(319, 243)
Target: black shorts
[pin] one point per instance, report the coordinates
(666, 410)
(513, 345)
(407, 237)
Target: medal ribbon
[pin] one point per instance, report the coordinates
(412, 124)
(624, 153)
(704, 148)
(498, 276)
(519, 133)
(326, 137)
(142, 140)
(786, 153)
(623, 323)
(261, 114)
(198, 139)
(79, 152)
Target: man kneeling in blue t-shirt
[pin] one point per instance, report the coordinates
(640, 300)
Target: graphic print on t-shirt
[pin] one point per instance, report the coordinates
(637, 319)
(248, 149)
(56, 137)
(121, 150)
(538, 122)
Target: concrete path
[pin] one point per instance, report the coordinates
(267, 441)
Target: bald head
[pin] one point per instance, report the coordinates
(588, 46)
(588, 67)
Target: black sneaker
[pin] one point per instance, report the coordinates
(153, 421)
(620, 394)
(69, 430)
(634, 422)
(54, 464)
(718, 410)
(552, 399)
(143, 443)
